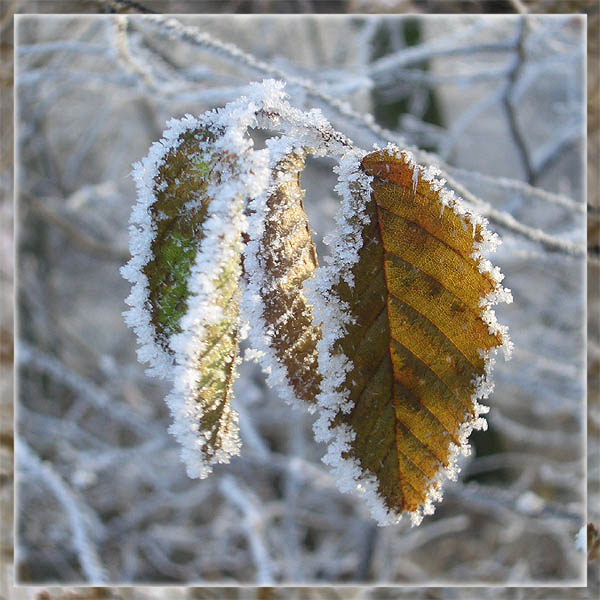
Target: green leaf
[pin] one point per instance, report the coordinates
(178, 214)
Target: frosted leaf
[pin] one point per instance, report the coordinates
(186, 244)
(407, 333)
(400, 350)
(278, 258)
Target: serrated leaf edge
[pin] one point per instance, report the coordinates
(253, 306)
(220, 247)
(354, 187)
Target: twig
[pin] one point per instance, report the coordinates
(38, 77)
(86, 551)
(86, 390)
(516, 460)
(428, 532)
(432, 79)
(530, 436)
(548, 153)
(509, 107)
(122, 45)
(118, 526)
(465, 119)
(252, 524)
(79, 237)
(197, 37)
(51, 427)
(445, 47)
(62, 46)
(367, 550)
(522, 188)
(508, 502)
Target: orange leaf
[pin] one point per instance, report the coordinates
(413, 347)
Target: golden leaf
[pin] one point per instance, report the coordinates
(417, 338)
(279, 260)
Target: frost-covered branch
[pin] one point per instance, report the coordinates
(451, 45)
(124, 54)
(520, 187)
(79, 521)
(252, 523)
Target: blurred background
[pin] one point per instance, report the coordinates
(497, 102)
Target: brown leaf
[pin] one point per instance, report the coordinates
(417, 335)
(278, 259)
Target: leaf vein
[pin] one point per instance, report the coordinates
(444, 335)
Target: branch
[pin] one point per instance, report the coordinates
(125, 57)
(86, 390)
(86, 551)
(387, 65)
(522, 188)
(62, 46)
(565, 137)
(509, 107)
(252, 524)
(509, 503)
(172, 27)
(533, 437)
(86, 242)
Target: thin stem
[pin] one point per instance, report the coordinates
(509, 107)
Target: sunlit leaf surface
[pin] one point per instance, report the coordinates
(418, 334)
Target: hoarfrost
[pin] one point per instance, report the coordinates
(266, 106)
(219, 249)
